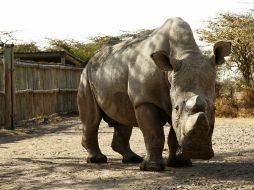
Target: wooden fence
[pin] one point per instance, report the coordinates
(2, 104)
(40, 89)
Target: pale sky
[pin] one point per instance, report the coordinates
(80, 19)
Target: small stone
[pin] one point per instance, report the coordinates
(199, 183)
(239, 154)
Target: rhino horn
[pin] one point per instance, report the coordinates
(197, 125)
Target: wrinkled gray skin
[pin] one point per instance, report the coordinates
(147, 82)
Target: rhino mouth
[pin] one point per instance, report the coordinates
(192, 151)
(197, 143)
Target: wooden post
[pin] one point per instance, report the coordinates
(63, 59)
(9, 86)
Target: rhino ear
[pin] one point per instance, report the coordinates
(221, 49)
(164, 62)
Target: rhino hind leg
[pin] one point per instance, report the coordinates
(175, 158)
(120, 144)
(90, 116)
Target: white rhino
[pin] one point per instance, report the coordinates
(146, 82)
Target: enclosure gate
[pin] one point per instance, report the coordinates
(29, 90)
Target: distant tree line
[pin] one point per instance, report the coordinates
(82, 50)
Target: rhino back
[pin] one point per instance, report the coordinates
(124, 76)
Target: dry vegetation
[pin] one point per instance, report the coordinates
(233, 101)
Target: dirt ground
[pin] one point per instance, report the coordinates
(50, 156)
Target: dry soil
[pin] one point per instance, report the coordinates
(50, 156)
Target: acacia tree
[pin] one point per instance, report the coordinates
(239, 29)
(26, 47)
(9, 37)
(82, 50)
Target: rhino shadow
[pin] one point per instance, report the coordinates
(70, 169)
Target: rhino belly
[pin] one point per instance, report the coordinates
(118, 107)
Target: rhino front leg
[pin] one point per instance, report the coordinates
(121, 144)
(148, 117)
(175, 158)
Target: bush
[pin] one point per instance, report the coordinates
(225, 108)
(248, 98)
(234, 100)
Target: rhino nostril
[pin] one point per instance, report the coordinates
(177, 108)
(198, 108)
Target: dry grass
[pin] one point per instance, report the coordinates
(225, 108)
(230, 108)
(245, 112)
(248, 98)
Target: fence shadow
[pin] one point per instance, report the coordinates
(37, 129)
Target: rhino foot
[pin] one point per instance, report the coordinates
(133, 159)
(97, 159)
(151, 166)
(178, 161)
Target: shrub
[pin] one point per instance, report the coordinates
(225, 108)
(248, 98)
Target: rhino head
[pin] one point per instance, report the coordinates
(192, 94)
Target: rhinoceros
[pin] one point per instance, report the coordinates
(147, 82)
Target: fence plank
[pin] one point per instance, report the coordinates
(40, 66)
(1, 77)
(45, 89)
(2, 104)
(51, 91)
